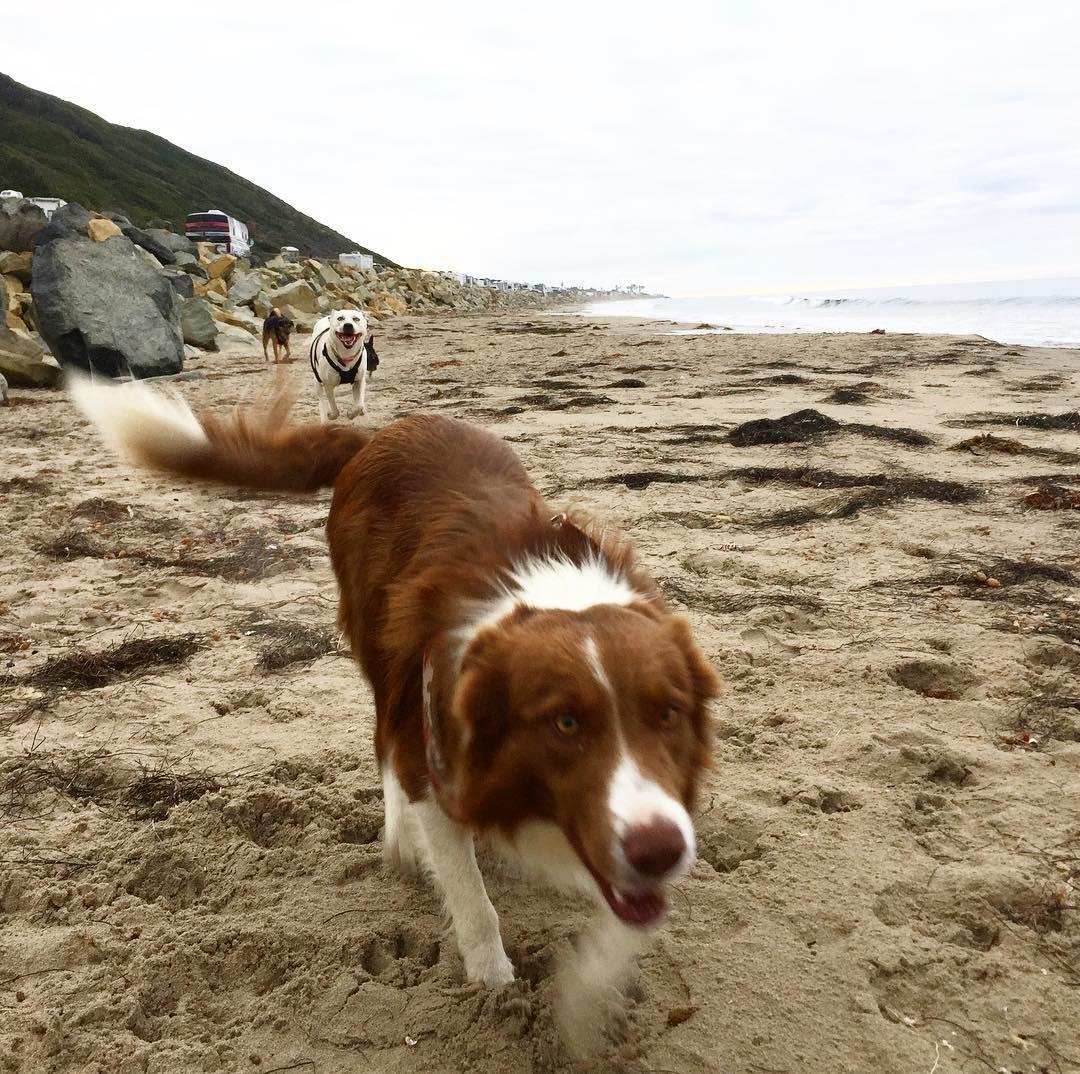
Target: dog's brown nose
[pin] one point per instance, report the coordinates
(654, 848)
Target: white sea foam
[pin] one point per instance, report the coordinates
(1041, 313)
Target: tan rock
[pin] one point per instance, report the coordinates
(12, 288)
(231, 334)
(17, 324)
(17, 265)
(215, 287)
(329, 277)
(237, 320)
(221, 267)
(299, 296)
(303, 322)
(100, 229)
(24, 362)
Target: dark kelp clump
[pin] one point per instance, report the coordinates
(806, 425)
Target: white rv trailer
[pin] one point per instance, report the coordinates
(228, 234)
(47, 205)
(357, 260)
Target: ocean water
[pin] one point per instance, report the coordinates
(1038, 313)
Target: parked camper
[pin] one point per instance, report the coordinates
(357, 260)
(47, 205)
(227, 233)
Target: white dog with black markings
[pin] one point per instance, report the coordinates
(342, 351)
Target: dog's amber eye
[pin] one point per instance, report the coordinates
(567, 724)
(669, 717)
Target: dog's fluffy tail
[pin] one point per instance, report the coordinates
(256, 449)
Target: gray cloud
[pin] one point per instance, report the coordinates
(688, 146)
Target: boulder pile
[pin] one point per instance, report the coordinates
(93, 291)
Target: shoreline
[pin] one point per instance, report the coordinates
(892, 316)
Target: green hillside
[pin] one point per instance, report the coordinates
(49, 147)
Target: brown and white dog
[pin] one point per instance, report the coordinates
(530, 683)
(277, 329)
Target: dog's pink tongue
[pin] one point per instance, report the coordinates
(638, 909)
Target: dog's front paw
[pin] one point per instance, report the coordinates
(352, 411)
(489, 966)
(333, 415)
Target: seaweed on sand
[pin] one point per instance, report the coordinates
(84, 669)
(846, 396)
(1054, 498)
(1068, 422)
(255, 555)
(807, 425)
(289, 643)
(874, 490)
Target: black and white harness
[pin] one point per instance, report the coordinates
(347, 374)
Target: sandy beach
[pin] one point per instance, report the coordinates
(889, 872)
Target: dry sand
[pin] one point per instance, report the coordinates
(890, 840)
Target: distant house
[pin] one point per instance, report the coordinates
(290, 254)
(357, 260)
(459, 277)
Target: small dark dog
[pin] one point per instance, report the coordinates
(372, 357)
(276, 330)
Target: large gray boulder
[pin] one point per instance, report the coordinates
(101, 306)
(20, 223)
(181, 283)
(68, 222)
(24, 363)
(190, 264)
(150, 244)
(3, 390)
(244, 286)
(198, 324)
(143, 239)
(179, 244)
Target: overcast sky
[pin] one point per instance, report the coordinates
(692, 148)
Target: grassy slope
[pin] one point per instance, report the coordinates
(51, 147)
